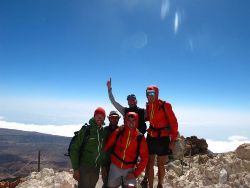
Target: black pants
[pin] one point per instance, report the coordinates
(158, 145)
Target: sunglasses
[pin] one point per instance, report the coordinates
(150, 93)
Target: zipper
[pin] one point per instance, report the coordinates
(152, 112)
(127, 143)
(98, 148)
(151, 117)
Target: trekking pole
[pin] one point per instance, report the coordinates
(122, 182)
(181, 166)
(39, 161)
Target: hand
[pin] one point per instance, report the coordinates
(130, 175)
(109, 84)
(76, 175)
(172, 145)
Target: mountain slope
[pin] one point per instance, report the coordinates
(19, 151)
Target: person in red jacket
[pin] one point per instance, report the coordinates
(161, 134)
(126, 149)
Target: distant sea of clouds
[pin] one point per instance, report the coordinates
(217, 145)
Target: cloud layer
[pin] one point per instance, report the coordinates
(61, 130)
(215, 146)
(228, 145)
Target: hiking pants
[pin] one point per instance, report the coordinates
(89, 176)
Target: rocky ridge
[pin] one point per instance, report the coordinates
(224, 170)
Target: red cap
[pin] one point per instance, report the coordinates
(100, 110)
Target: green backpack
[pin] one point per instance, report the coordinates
(86, 133)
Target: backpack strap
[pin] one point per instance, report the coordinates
(162, 106)
(120, 132)
(86, 134)
(165, 113)
(139, 139)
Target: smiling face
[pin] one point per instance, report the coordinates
(114, 119)
(99, 119)
(132, 102)
(131, 121)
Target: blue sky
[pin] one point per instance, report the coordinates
(56, 56)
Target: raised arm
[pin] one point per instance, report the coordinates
(118, 106)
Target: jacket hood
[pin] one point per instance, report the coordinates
(155, 88)
(135, 115)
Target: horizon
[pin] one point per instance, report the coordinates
(215, 144)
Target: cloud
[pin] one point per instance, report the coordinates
(238, 138)
(165, 7)
(1, 118)
(176, 22)
(51, 111)
(62, 130)
(68, 130)
(225, 146)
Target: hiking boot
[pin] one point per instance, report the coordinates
(144, 184)
(159, 186)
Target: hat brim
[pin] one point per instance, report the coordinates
(115, 115)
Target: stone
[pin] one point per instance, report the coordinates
(223, 176)
(243, 152)
(195, 146)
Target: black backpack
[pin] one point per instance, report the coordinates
(142, 127)
(86, 132)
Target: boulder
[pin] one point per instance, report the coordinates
(243, 152)
(195, 146)
(47, 178)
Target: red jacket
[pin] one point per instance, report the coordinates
(160, 115)
(126, 147)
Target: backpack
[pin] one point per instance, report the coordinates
(139, 139)
(142, 127)
(168, 126)
(86, 133)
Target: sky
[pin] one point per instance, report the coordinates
(56, 57)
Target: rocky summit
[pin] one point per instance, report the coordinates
(224, 170)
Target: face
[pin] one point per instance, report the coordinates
(132, 102)
(151, 96)
(131, 122)
(99, 119)
(114, 120)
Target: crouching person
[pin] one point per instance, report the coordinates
(86, 151)
(127, 145)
